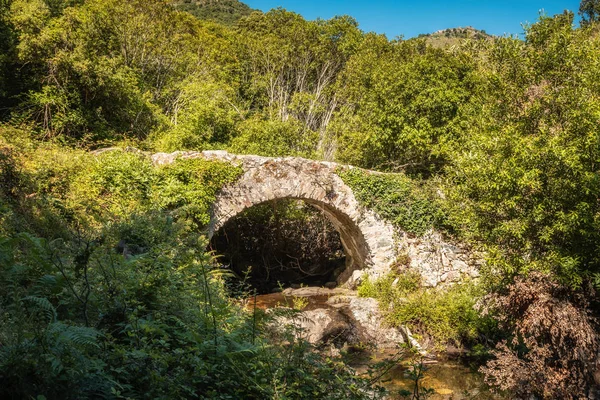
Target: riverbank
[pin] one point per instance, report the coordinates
(351, 329)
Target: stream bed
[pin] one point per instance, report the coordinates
(449, 378)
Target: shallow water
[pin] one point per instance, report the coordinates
(450, 379)
(271, 300)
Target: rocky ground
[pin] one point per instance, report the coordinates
(338, 318)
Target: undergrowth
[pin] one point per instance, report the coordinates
(447, 315)
(106, 290)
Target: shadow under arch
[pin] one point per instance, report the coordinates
(353, 242)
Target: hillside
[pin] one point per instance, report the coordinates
(223, 11)
(452, 36)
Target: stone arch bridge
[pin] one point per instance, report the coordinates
(367, 240)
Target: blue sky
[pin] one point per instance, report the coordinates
(409, 18)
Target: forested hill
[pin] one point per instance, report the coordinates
(107, 289)
(227, 12)
(454, 36)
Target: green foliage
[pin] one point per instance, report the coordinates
(274, 139)
(390, 286)
(48, 189)
(110, 289)
(41, 353)
(526, 180)
(9, 85)
(589, 11)
(37, 178)
(117, 184)
(114, 184)
(397, 198)
(447, 315)
(290, 67)
(80, 319)
(99, 82)
(189, 186)
(203, 118)
(401, 105)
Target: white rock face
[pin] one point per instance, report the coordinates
(438, 261)
(366, 312)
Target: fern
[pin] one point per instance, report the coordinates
(44, 305)
(47, 284)
(76, 335)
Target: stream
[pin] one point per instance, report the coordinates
(449, 378)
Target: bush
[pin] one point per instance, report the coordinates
(37, 181)
(205, 119)
(275, 139)
(447, 315)
(117, 184)
(86, 319)
(391, 286)
(553, 347)
(188, 187)
(112, 185)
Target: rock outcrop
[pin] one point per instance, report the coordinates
(341, 319)
(440, 262)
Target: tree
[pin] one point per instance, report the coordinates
(525, 178)
(589, 11)
(399, 103)
(291, 66)
(110, 69)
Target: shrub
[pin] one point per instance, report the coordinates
(553, 347)
(447, 315)
(274, 139)
(391, 286)
(205, 118)
(112, 185)
(189, 187)
(117, 184)
(81, 320)
(37, 177)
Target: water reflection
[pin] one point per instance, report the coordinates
(449, 379)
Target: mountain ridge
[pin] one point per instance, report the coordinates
(452, 36)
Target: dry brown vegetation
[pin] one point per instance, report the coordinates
(553, 351)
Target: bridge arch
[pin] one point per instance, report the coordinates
(367, 240)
